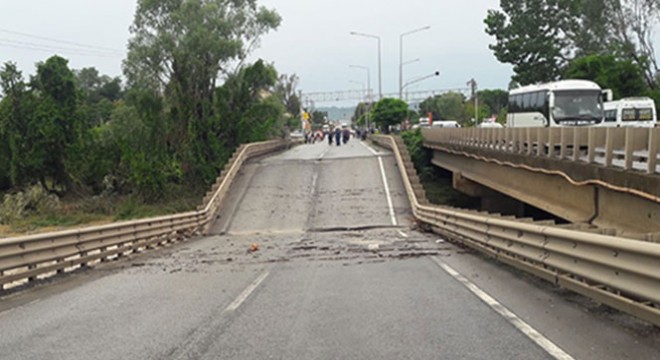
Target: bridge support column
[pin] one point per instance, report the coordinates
(469, 187)
(491, 201)
(503, 204)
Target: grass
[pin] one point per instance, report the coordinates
(132, 208)
(97, 211)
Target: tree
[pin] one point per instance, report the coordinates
(531, 35)
(98, 92)
(430, 105)
(16, 116)
(285, 90)
(56, 128)
(540, 37)
(622, 76)
(494, 100)
(389, 112)
(359, 115)
(448, 106)
(95, 87)
(245, 111)
(318, 118)
(633, 23)
(591, 31)
(179, 48)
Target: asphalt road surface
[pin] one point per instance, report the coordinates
(340, 273)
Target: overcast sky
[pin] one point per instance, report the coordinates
(313, 40)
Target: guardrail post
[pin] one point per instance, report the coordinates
(551, 143)
(636, 140)
(60, 270)
(654, 138)
(501, 139)
(591, 146)
(609, 147)
(540, 141)
(516, 141)
(579, 137)
(530, 141)
(563, 143)
(103, 250)
(34, 277)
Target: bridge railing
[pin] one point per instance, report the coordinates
(635, 149)
(28, 258)
(622, 273)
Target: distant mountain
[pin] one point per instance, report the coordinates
(338, 113)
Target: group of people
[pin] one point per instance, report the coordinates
(339, 135)
(336, 135)
(313, 137)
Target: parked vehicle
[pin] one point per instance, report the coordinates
(490, 124)
(446, 124)
(559, 103)
(630, 112)
(424, 121)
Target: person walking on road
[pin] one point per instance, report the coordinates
(329, 134)
(338, 136)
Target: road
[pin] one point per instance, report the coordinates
(340, 273)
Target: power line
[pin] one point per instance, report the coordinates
(58, 40)
(59, 48)
(24, 47)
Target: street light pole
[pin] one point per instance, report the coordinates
(368, 75)
(401, 56)
(380, 87)
(368, 87)
(365, 95)
(416, 80)
(410, 61)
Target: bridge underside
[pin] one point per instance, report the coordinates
(552, 193)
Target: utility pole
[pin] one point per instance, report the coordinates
(473, 88)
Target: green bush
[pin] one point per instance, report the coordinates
(420, 156)
(34, 200)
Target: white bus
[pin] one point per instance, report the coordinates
(560, 103)
(630, 112)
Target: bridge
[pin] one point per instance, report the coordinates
(608, 177)
(333, 252)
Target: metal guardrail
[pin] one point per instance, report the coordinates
(28, 258)
(628, 148)
(620, 272)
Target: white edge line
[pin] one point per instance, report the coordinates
(387, 191)
(370, 149)
(403, 234)
(314, 180)
(246, 293)
(538, 338)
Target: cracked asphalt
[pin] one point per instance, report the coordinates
(304, 262)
